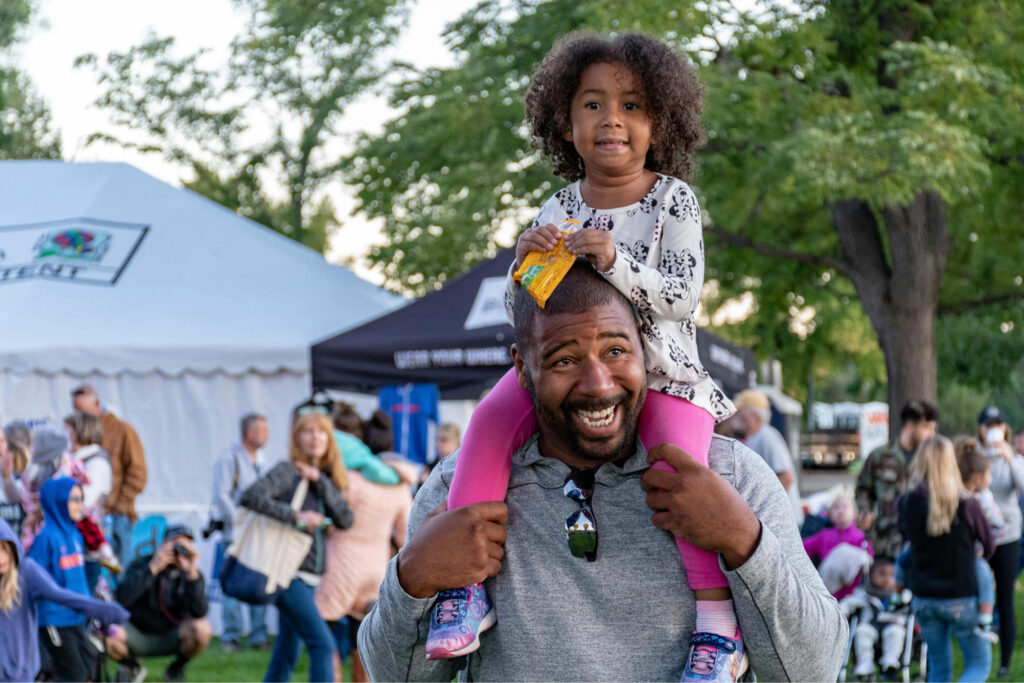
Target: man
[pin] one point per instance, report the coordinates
(166, 596)
(628, 614)
(237, 468)
(883, 478)
(753, 414)
(127, 465)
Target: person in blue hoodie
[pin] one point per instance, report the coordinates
(59, 550)
(23, 586)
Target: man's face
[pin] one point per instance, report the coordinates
(87, 403)
(920, 431)
(585, 373)
(257, 433)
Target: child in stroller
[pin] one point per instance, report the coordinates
(879, 614)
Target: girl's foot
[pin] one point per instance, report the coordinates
(715, 658)
(459, 616)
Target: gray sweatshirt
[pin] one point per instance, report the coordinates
(629, 615)
(1007, 487)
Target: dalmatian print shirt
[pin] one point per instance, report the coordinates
(660, 267)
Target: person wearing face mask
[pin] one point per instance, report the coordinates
(1006, 487)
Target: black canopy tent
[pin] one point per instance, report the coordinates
(458, 338)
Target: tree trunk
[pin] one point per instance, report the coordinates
(899, 293)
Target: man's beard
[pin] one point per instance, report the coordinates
(562, 424)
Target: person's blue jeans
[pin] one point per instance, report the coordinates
(986, 581)
(300, 620)
(940, 619)
(291, 646)
(231, 616)
(120, 540)
(92, 575)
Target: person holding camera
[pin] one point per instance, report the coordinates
(166, 596)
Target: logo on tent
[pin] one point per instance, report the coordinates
(76, 243)
(72, 250)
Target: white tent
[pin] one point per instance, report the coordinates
(183, 315)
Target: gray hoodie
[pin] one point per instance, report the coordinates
(629, 615)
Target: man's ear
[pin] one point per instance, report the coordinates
(520, 364)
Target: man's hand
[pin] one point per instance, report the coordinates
(190, 564)
(596, 245)
(454, 548)
(542, 238)
(162, 558)
(699, 505)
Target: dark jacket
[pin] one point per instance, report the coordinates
(160, 603)
(272, 494)
(943, 566)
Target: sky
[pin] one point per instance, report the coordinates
(64, 29)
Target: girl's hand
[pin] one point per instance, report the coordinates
(1004, 451)
(307, 472)
(596, 245)
(542, 238)
(311, 519)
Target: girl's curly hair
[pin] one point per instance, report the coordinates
(672, 94)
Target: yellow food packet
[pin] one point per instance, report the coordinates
(541, 272)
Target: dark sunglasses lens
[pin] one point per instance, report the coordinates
(581, 532)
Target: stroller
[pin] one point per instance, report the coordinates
(888, 621)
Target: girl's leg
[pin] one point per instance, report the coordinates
(501, 423)
(668, 419)
(977, 651)
(287, 648)
(297, 605)
(937, 631)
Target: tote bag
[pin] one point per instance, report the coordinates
(265, 554)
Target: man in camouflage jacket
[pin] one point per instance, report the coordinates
(883, 479)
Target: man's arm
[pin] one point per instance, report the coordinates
(136, 582)
(393, 635)
(792, 628)
(224, 477)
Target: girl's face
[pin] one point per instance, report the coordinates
(75, 504)
(313, 441)
(5, 557)
(842, 513)
(611, 128)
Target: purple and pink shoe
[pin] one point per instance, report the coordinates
(459, 616)
(715, 658)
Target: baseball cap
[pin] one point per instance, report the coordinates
(175, 530)
(991, 414)
(752, 398)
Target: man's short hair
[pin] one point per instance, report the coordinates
(581, 290)
(916, 410)
(84, 389)
(248, 420)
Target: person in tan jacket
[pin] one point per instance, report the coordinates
(127, 464)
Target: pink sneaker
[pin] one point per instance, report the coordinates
(715, 658)
(459, 616)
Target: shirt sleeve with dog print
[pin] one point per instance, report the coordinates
(659, 266)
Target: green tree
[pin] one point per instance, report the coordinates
(259, 136)
(26, 131)
(859, 153)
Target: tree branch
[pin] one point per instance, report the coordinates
(988, 300)
(736, 240)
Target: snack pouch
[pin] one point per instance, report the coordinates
(541, 272)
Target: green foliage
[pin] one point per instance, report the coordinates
(26, 131)
(257, 135)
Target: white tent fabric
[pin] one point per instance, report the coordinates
(183, 315)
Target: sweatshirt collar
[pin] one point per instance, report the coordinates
(552, 472)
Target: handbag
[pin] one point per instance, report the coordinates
(265, 554)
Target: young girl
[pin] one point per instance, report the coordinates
(842, 572)
(619, 118)
(58, 550)
(23, 584)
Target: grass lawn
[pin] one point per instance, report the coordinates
(250, 665)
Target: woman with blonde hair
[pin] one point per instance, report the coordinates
(942, 523)
(313, 456)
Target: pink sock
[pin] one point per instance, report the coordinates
(716, 616)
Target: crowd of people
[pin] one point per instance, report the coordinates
(77, 593)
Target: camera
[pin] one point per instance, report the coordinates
(181, 551)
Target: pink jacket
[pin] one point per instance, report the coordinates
(357, 556)
(822, 543)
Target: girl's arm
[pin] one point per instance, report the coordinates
(265, 493)
(40, 586)
(673, 285)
